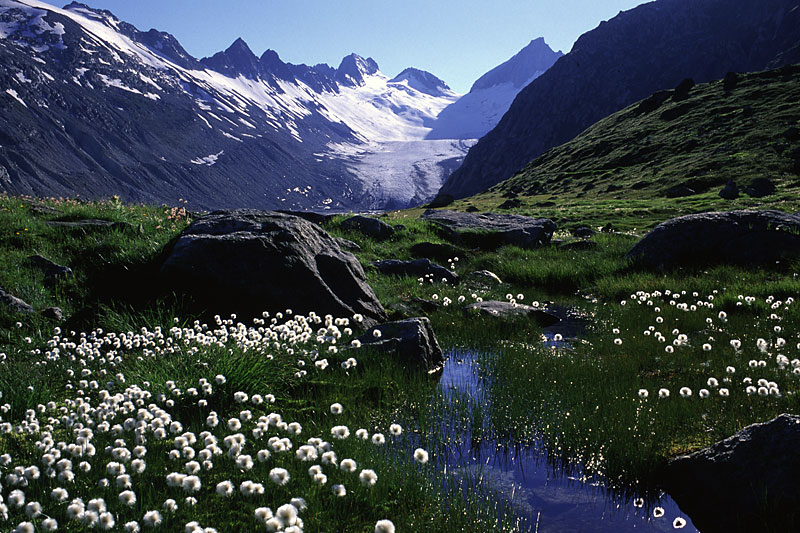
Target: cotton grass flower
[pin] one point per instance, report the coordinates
(279, 476)
(384, 526)
(658, 512)
(378, 439)
(421, 456)
(337, 409)
(643, 394)
(348, 465)
(396, 429)
(368, 477)
(339, 490)
(678, 523)
(152, 519)
(340, 432)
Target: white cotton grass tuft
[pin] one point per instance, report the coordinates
(384, 526)
(421, 456)
(336, 409)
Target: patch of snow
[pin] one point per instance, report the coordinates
(208, 160)
(21, 77)
(114, 82)
(229, 136)
(13, 94)
(152, 96)
(204, 120)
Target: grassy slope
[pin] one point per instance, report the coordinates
(630, 158)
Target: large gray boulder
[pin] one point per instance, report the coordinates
(492, 230)
(412, 341)
(249, 261)
(416, 268)
(747, 482)
(732, 237)
(16, 305)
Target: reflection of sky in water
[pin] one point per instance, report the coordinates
(551, 501)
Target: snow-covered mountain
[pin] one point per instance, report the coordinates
(90, 105)
(478, 111)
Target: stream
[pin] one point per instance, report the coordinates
(549, 499)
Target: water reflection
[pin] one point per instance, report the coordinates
(521, 477)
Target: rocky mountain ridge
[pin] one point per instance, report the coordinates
(93, 106)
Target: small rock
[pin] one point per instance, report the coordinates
(511, 203)
(583, 232)
(431, 250)
(508, 310)
(730, 191)
(760, 187)
(411, 340)
(53, 313)
(679, 191)
(730, 81)
(371, 227)
(52, 271)
(15, 304)
(416, 269)
(472, 209)
(485, 278)
(747, 482)
(682, 90)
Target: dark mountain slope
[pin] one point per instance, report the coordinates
(742, 128)
(638, 52)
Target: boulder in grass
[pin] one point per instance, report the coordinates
(492, 230)
(760, 187)
(412, 341)
(16, 305)
(730, 191)
(746, 238)
(52, 271)
(508, 310)
(434, 250)
(371, 227)
(248, 261)
(53, 313)
(484, 278)
(747, 482)
(418, 268)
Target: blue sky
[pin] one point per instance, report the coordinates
(457, 40)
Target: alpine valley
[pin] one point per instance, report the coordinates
(91, 106)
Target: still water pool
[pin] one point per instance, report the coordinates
(548, 499)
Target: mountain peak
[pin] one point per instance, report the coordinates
(102, 15)
(353, 68)
(236, 60)
(422, 81)
(536, 57)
